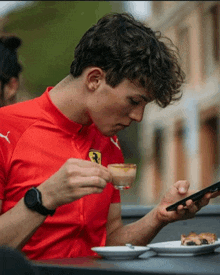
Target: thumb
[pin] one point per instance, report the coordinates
(182, 186)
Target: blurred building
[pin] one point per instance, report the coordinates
(182, 140)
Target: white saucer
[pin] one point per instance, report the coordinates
(120, 252)
(174, 248)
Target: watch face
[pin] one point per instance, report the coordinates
(31, 198)
(33, 201)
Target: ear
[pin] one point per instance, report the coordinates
(94, 77)
(10, 90)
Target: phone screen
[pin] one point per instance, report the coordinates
(196, 196)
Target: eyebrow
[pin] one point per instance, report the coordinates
(145, 98)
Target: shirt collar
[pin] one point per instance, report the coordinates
(56, 116)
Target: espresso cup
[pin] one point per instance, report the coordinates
(123, 174)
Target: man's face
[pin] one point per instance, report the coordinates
(113, 109)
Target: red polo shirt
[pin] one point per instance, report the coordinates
(36, 139)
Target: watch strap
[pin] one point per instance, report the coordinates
(42, 209)
(37, 206)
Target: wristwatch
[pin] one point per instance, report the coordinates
(33, 200)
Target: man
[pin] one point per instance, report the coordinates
(53, 142)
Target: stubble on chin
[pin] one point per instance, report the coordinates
(110, 133)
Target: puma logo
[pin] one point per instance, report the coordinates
(115, 142)
(5, 137)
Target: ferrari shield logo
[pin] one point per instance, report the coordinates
(95, 156)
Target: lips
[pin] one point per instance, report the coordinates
(122, 126)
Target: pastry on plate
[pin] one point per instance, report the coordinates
(198, 239)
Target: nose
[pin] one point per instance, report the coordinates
(137, 114)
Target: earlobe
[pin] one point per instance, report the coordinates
(94, 78)
(10, 89)
(13, 83)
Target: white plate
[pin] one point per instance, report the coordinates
(174, 248)
(120, 252)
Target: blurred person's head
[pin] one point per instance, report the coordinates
(125, 48)
(9, 69)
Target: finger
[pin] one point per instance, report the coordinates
(97, 182)
(95, 172)
(86, 163)
(215, 194)
(90, 190)
(182, 186)
(203, 201)
(186, 212)
(87, 171)
(181, 210)
(102, 173)
(93, 181)
(191, 206)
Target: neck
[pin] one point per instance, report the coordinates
(67, 97)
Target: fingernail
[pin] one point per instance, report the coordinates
(182, 190)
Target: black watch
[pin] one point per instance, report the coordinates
(33, 201)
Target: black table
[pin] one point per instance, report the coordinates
(207, 220)
(147, 263)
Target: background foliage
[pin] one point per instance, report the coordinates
(50, 30)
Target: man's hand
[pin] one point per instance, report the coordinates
(177, 192)
(74, 180)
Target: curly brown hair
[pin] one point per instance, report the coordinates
(126, 49)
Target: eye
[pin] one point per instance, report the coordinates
(134, 102)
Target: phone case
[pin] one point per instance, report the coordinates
(195, 197)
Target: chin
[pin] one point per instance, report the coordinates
(109, 133)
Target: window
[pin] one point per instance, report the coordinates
(211, 39)
(184, 48)
(215, 31)
(209, 151)
(157, 8)
(180, 155)
(158, 162)
(140, 9)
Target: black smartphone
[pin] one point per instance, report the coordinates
(196, 196)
